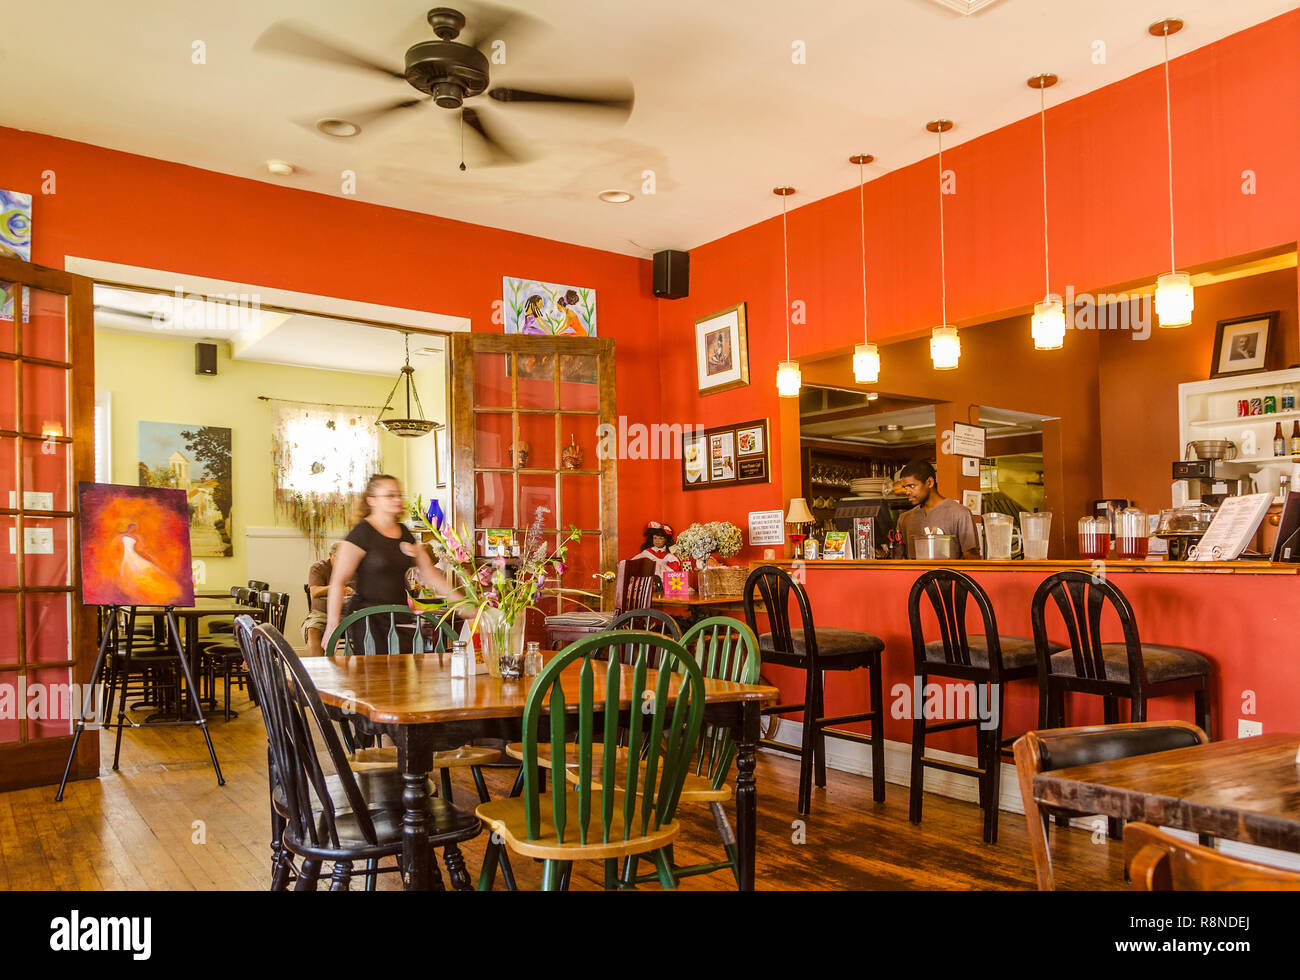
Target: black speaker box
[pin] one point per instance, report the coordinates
(205, 358)
(672, 274)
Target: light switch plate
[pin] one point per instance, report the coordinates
(1247, 729)
(970, 466)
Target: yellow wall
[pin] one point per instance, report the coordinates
(152, 379)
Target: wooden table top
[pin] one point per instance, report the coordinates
(715, 600)
(201, 608)
(1245, 789)
(416, 689)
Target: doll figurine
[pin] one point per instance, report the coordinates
(658, 538)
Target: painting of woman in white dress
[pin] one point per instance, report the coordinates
(135, 546)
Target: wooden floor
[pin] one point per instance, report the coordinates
(161, 822)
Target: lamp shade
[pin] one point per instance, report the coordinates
(945, 348)
(788, 379)
(866, 364)
(1174, 301)
(799, 512)
(1048, 324)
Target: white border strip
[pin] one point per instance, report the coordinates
(306, 302)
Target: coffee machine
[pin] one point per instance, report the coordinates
(1207, 484)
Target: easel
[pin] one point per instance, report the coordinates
(108, 642)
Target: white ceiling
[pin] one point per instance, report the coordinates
(266, 336)
(722, 114)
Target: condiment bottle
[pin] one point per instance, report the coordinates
(459, 658)
(532, 659)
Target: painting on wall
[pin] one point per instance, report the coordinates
(15, 241)
(546, 309)
(135, 546)
(721, 351)
(196, 460)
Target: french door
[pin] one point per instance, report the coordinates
(527, 413)
(47, 395)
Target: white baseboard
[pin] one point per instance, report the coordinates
(854, 757)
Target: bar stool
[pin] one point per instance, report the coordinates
(815, 651)
(1131, 669)
(987, 659)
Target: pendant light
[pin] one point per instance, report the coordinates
(866, 356)
(1174, 301)
(411, 426)
(1048, 324)
(945, 345)
(788, 379)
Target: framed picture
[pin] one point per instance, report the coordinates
(721, 351)
(548, 309)
(1245, 345)
(439, 439)
(973, 501)
(725, 455)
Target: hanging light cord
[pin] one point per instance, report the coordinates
(1169, 141)
(785, 240)
(862, 211)
(943, 271)
(1042, 117)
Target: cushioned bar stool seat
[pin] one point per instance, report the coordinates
(1161, 663)
(1017, 651)
(832, 645)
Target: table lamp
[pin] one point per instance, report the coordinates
(800, 516)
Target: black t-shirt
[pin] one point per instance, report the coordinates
(381, 577)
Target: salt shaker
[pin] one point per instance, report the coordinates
(532, 659)
(459, 658)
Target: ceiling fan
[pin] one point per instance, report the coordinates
(449, 72)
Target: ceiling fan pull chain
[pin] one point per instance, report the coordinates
(462, 139)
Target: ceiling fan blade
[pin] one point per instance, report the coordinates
(501, 153)
(366, 116)
(288, 39)
(485, 24)
(617, 98)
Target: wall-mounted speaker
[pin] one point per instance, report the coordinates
(205, 358)
(672, 274)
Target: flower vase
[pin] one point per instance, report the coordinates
(505, 649)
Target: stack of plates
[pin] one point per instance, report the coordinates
(872, 486)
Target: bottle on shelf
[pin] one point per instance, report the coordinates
(1288, 399)
(1279, 440)
(1295, 438)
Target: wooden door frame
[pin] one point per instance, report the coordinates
(41, 762)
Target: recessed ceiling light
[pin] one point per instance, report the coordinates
(338, 127)
(279, 168)
(615, 197)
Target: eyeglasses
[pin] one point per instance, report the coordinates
(390, 496)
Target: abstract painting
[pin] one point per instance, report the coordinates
(16, 225)
(546, 309)
(135, 546)
(195, 459)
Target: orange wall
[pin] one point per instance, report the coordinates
(1108, 207)
(119, 207)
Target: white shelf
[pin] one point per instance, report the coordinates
(1288, 460)
(1245, 419)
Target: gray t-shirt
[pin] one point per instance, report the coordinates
(949, 516)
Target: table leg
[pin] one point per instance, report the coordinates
(747, 734)
(415, 749)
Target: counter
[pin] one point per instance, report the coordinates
(1244, 616)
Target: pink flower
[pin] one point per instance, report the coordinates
(560, 568)
(499, 561)
(485, 574)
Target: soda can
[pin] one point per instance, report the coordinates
(1243, 407)
(1270, 404)
(1256, 406)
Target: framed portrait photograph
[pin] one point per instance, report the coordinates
(721, 351)
(1244, 345)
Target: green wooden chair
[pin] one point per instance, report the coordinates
(618, 804)
(380, 632)
(725, 649)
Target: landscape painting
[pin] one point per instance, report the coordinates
(135, 546)
(547, 309)
(194, 459)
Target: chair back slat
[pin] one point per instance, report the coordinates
(1081, 599)
(725, 649)
(775, 586)
(660, 728)
(379, 631)
(949, 593)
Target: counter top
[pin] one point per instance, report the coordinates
(1048, 567)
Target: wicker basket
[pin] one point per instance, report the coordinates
(722, 580)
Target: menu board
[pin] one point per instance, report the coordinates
(726, 455)
(1233, 527)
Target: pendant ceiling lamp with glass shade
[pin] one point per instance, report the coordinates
(788, 379)
(412, 425)
(1048, 324)
(866, 356)
(1174, 301)
(945, 345)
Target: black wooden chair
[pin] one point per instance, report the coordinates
(1130, 669)
(986, 659)
(255, 585)
(815, 651)
(328, 818)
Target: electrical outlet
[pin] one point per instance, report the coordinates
(1245, 729)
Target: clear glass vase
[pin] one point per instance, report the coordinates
(505, 649)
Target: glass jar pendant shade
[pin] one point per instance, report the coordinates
(866, 364)
(788, 378)
(1174, 301)
(945, 348)
(414, 424)
(1048, 325)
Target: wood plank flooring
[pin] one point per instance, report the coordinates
(161, 822)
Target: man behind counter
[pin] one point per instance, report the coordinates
(932, 509)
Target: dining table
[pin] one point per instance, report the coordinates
(413, 700)
(1245, 789)
(169, 617)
